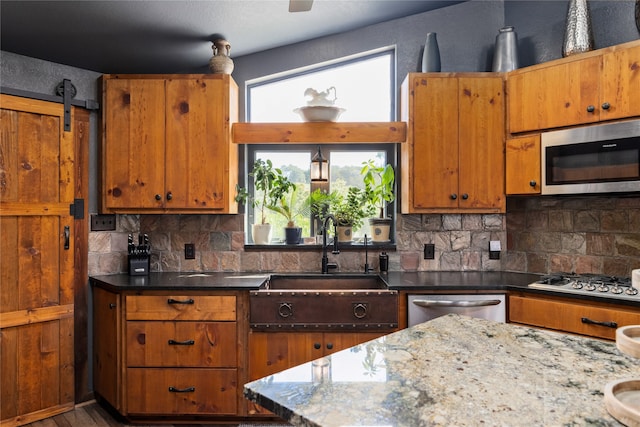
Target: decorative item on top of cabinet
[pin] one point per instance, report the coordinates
(578, 36)
(505, 53)
(581, 89)
(221, 62)
(431, 54)
(166, 144)
(523, 165)
(454, 158)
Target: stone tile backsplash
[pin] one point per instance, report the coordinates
(538, 235)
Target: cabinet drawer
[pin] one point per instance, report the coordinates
(184, 344)
(181, 391)
(567, 316)
(181, 307)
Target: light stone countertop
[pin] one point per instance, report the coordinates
(452, 371)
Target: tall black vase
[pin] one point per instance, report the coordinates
(431, 54)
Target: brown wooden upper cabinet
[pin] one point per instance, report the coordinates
(587, 88)
(523, 172)
(166, 143)
(453, 160)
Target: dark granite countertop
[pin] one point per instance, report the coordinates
(188, 281)
(453, 370)
(419, 282)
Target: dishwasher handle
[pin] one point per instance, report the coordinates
(461, 303)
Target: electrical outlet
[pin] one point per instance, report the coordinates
(106, 222)
(429, 251)
(189, 251)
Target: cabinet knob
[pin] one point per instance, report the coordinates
(606, 106)
(533, 183)
(112, 306)
(316, 345)
(454, 196)
(591, 109)
(158, 197)
(329, 346)
(169, 195)
(465, 196)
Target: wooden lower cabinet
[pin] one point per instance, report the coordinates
(271, 352)
(170, 355)
(593, 319)
(186, 391)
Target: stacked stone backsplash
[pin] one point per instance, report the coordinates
(582, 234)
(461, 243)
(538, 235)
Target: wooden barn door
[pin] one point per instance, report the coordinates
(37, 181)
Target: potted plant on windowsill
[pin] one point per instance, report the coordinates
(350, 211)
(319, 203)
(287, 202)
(379, 190)
(268, 186)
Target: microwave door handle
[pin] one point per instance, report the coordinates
(461, 303)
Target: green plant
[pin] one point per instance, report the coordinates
(319, 203)
(270, 185)
(352, 209)
(286, 201)
(378, 185)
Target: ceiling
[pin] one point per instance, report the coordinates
(163, 36)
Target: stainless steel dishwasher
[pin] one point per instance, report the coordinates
(425, 307)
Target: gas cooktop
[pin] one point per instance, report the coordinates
(589, 284)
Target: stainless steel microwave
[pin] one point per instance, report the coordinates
(592, 159)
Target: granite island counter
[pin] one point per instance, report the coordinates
(453, 370)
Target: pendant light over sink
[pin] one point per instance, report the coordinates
(319, 167)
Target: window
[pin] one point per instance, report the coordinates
(364, 87)
(345, 162)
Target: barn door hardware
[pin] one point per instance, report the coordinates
(76, 209)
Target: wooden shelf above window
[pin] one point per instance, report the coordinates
(319, 132)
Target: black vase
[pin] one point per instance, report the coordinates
(431, 54)
(292, 235)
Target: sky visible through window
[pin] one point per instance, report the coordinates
(363, 89)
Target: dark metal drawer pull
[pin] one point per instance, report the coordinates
(479, 303)
(182, 390)
(175, 301)
(187, 342)
(588, 321)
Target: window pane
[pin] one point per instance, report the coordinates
(363, 89)
(295, 166)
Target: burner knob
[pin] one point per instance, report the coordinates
(603, 288)
(616, 289)
(631, 291)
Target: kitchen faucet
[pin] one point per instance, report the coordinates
(367, 269)
(326, 265)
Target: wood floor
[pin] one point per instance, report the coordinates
(91, 414)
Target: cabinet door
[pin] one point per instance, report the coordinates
(481, 146)
(568, 316)
(621, 83)
(196, 162)
(523, 165)
(181, 344)
(554, 96)
(106, 346)
(271, 352)
(133, 143)
(342, 340)
(434, 127)
(181, 391)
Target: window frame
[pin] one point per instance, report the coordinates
(391, 154)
